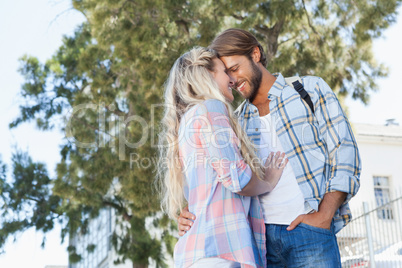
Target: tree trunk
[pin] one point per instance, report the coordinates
(271, 36)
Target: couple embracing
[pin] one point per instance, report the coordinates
(267, 185)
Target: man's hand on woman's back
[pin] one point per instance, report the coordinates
(274, 166)
(185, 221)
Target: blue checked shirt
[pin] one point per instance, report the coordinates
(320, 147)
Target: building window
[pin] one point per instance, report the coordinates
(382, 197)
(98, 235)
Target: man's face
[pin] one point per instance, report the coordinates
(246, 74)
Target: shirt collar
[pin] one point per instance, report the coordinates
(277, 87)
(275, 91)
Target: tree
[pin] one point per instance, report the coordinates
(107, 79)
(330, 39)
(27, 201)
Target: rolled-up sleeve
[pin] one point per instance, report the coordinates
(344, 159)
(221, 146)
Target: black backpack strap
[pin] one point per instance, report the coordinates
(303, 94)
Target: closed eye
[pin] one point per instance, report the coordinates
(234, 69)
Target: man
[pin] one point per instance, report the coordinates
(310, 203)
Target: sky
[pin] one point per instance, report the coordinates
(36, 28)
(386, 103)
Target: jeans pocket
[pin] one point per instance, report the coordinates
(315, 229)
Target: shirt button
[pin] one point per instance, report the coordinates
(255, 111)
(256, 129)
(233, 166)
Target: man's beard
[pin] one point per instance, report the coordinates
(255, 81)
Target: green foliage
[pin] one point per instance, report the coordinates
(330, 39)
(73, 257)
(27, 201)
(138, 242)
(105, 78)
(91, 248)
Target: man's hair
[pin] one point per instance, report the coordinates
(237, 42)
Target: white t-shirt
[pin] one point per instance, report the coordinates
(286, 201)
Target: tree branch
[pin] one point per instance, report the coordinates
(116, 110)
(287, 40)
(308, 18)
(263, 29)
(120, 208)
(183, 24)
(238, 17)
(43, 200)
(271, 35)
(92, 127)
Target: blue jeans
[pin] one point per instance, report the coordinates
(305, 246)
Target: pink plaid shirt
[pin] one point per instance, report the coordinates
(227, 225)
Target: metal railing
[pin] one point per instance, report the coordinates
(374, 236)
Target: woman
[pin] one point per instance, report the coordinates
(207, 162)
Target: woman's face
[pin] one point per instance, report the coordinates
(223, 80)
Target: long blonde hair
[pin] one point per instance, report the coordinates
(190, 82)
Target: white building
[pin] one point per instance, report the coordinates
(380, 149)
(379, 225)
(103, 254)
